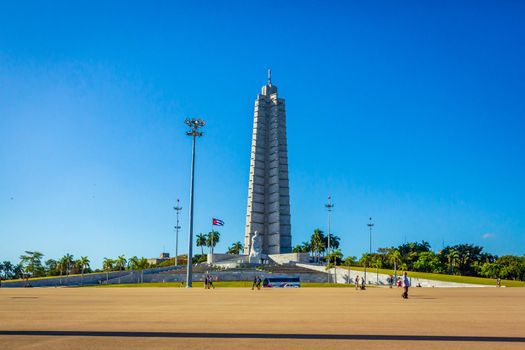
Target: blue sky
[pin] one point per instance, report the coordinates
(411, 113)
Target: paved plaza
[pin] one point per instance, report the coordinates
(238, 318)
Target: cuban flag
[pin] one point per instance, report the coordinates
(217, 222)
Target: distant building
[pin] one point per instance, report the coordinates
(163, 257)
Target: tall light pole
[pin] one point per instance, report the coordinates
(194, 125)
(329, 207)
(370, 225)
(177, 208)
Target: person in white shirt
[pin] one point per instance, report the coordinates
(406, 285)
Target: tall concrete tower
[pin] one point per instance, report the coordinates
(268, 210)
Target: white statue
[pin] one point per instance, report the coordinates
(256, 247)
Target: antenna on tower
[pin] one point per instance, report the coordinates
(269, 77)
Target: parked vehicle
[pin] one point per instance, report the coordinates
(281, 282)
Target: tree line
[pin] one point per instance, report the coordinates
(32, 265)
(460, 259)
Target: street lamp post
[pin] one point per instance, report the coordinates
(194, 125)
(329, 207)
(370, 225)
(177, 208)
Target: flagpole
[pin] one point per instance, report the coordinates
(211, 233)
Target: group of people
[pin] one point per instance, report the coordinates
(359, 283)
(403, 282)
(208, 282)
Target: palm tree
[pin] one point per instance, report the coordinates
(120, 263)
(297, 249)
(201, 241)
(31, 263)
(452, 257)
(394, 257)
(235, 248)
(334, 241)
(304, 247)
(317, 243)
(365, 261)
(333, 256)
(65, 263)
(51, 267)
(84, 263)
(212, 239)
(142, 264)
(107, 264)
(349, 261)
(8, 269)
(377, 262)
(18, 271)
(133, 263)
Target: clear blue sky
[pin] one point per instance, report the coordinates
(410, 112)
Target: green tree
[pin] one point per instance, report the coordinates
(511, 267)
(334, 241)
(377, 262)
(296, 249)
(212, 239)
(452, 257)
(31, 263)
(317, 243)
(304, 247)
(365, 261)
(18, 271)
(66, 263)
(490, 270)
(201, 241)
(133, 262)
(142, 264)
(410, 252)
(120, 263)
(334, 258)
(349, 261)
(235, 248)
(52, 267)
(108, 264)
(427, 262)
(83, 262)
(8, 269)
(394, 258)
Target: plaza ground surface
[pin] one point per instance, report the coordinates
(239, 318)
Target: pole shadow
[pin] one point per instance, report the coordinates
(298, 336)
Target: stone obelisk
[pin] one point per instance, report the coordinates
(268, 210)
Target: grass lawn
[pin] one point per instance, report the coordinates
(223, 284)
(446, 278)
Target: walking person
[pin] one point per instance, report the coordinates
(357, 282)
(206, 282)
(498, 282)
(254, 284)
(210, 282)
(406, 285)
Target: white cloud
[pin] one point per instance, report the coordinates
(488, 235)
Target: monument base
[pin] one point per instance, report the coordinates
(232, 260)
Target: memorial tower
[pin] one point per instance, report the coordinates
(268, 210)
